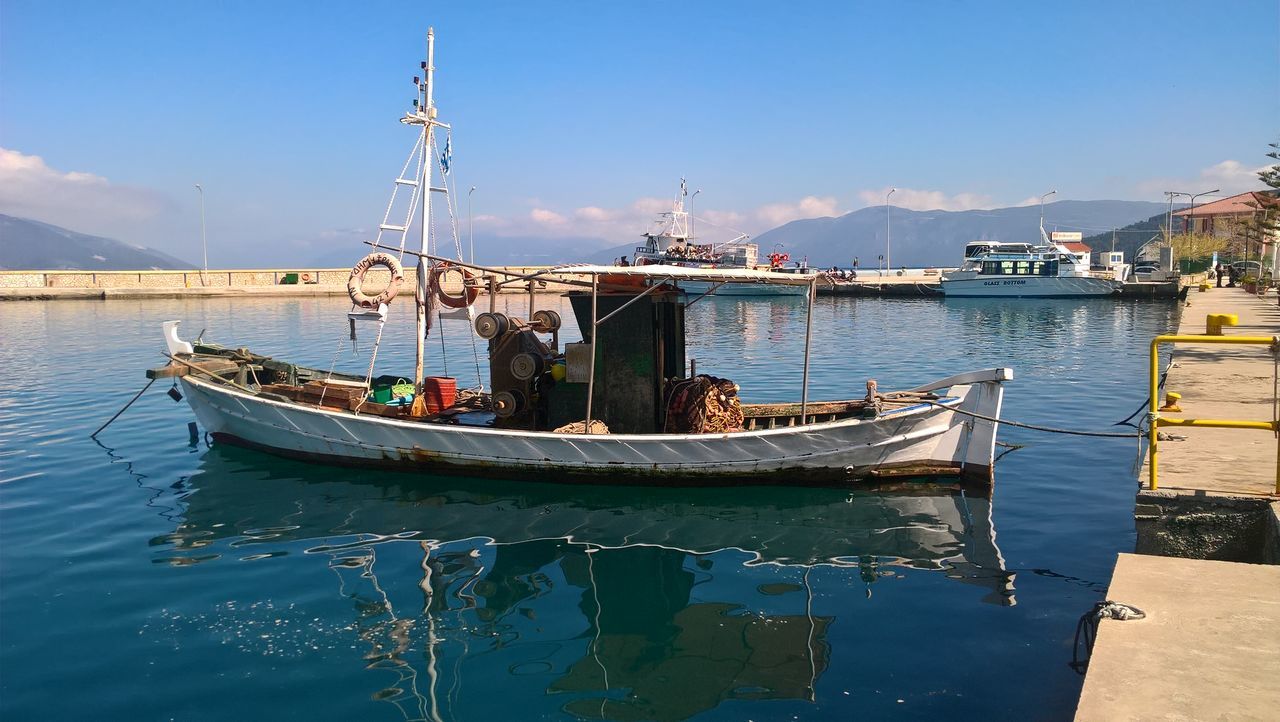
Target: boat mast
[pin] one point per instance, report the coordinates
(424, 114)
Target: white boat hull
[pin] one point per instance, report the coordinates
(921, 436)
(1029, 287)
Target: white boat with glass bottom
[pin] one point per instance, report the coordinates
(1024, 270)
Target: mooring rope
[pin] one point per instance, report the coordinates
(1034, 427)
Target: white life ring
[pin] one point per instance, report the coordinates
(356, 282)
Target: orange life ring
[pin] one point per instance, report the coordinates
(356, 282)
(306, 278)
(469, 290)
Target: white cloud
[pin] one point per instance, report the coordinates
(1230, 177)
(620, 224)
(545, 217)
(594, 214)
(776, 214)
(628, 222)
(922, 200)
(77, 200)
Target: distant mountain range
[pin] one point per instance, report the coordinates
(937, 238)
(1129, 239)
(27, 244)
(918, 238)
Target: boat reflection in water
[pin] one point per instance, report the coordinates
(612, 602)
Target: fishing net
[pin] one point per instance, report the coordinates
(703, 405)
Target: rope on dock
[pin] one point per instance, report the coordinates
(1087, 628)
(1033, 427)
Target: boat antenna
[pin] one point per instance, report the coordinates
(1044, 236)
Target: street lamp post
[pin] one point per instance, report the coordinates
(886, 227)
(204, 247)
(691, 200)
(1191, 209)
(1168, 224)
(471, 227)
(1043, 235)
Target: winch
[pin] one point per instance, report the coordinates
(518, 359)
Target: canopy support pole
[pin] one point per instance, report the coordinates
(808, 340)
(595, 336)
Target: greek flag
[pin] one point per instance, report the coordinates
(446, 156)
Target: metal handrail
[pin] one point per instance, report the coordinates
(1156, 420)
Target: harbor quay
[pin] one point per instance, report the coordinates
(1208, 539)
(922, 283)
(49, 285)
(282, 282)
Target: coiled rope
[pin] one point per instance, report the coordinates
(1087, 628)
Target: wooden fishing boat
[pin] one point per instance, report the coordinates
(621, 375)
(545, 406)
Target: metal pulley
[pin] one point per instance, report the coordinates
(545, 321)
(507, 403)
(525, 366)
(491, 325)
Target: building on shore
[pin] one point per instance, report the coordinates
(1224, 216)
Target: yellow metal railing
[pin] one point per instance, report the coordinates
(1158, 421)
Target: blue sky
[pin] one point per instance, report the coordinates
(575, 119)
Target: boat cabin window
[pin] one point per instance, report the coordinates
(1019, 268)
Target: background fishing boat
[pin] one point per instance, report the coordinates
(672, 243)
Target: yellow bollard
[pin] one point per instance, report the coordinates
(1171, 399)
(1204, 286)
(1215, 321)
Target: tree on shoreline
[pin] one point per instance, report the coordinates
(1267, 220)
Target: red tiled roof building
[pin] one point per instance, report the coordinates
(1220, 217)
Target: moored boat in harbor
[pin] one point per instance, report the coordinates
(1050, 270)
(671, 243)
(623, 406)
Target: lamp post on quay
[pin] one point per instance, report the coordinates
(886, 227)
(1192, 208)
(692, 198)
(1168, 224)
(204, 247)
(471, 227)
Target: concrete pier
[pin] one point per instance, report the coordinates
(232, 283)
(909, 282)
(1209, 648)
(1216, 491)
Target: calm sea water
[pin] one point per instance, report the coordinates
(149, 578)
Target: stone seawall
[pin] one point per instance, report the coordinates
(50, 285)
